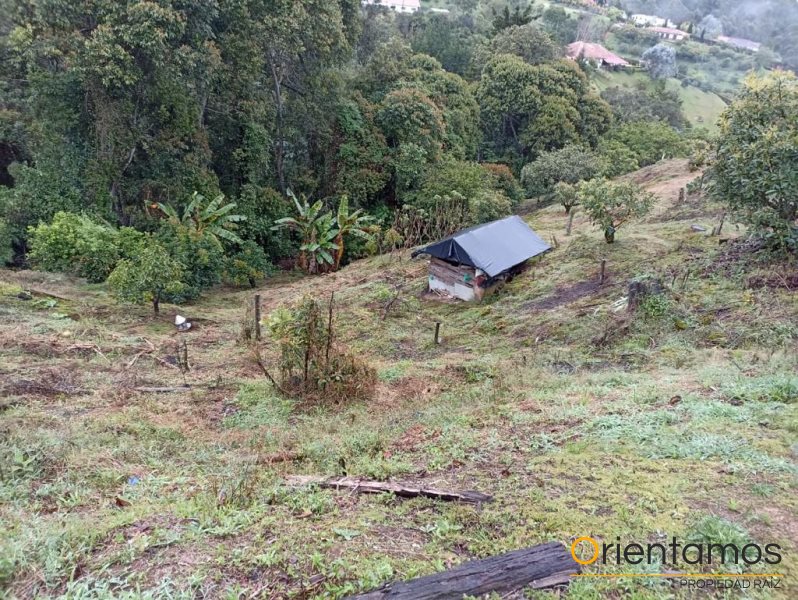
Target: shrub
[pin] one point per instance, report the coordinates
(75, 244)
(489, 205)
(617, 158)
(201, 258)
(505, 181)
(247, 266)
(312, 366)
(6, 248)
(650, 141)
(453, 181)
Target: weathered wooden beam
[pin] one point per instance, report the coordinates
(380, 487)
(544, 566)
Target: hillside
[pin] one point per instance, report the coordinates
(579, 418)
(701, 108)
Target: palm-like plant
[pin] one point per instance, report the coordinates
(317, 230)
(214, 218)
(356, 223)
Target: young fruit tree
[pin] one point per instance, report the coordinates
(610, 204)
(565, 194)
(149, 275)
(756, 160)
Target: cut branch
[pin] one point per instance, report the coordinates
(379, 487)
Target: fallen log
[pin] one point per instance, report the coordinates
(379, 487)
(544, 566)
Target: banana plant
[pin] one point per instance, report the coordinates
(356, 223)
(214, 218)
(317, 231)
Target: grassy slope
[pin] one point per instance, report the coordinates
(701, 108)
(580, 420)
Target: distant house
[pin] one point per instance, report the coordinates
(474, 262)
(596, 54)
(400, 6)
(740, 43)
(669, 33)
(651, 21)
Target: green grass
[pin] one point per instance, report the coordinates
(579, 419)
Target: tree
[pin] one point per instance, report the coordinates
(147, 277)
(711, 27)
(529, 42)
(349, 223)
(610, 204)
(528, 109)
(756, 161)
(643, 104)
(505, 18)
(571, 164)
(660, 60)
(565, 194)
(213, 219)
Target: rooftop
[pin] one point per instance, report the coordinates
(589, 51)
(492, 247)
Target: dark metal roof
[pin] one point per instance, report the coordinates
(493, 247)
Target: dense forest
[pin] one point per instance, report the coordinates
(260, 119)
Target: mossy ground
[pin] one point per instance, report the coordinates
(578, 418)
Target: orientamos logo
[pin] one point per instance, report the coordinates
(586, 551)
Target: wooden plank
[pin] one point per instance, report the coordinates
(538, 567)
(451, 277)
(456, 269)
(379, 487)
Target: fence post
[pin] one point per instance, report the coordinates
(257, 317)
(437, 332)
(603, 271)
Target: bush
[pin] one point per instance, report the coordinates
(247, 266)
(489, 205)
(650, 141)
(571, 164)
(479, 187)
(616, 158)
(6, 248)
(200, 256)
(76, 244)
(312, 366)
(505, 181)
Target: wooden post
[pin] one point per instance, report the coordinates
(570, 222)
(603, 271)
(437, 332)
(720, 225)
(257, 316)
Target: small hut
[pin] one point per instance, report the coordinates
(474, 262)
